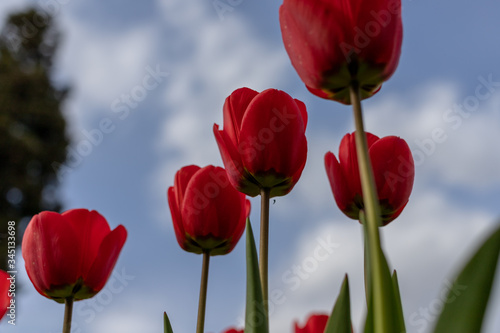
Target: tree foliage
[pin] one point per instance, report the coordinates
(32, 127)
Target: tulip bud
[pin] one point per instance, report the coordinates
(393, 170)
(70, 254)
(332, 43)
(208, 214)
(263, 143)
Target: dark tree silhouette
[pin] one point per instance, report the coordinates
(32, 128)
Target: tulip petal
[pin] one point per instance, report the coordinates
(348, 160)
(272, 137)
(176, 217)
(175, 196)
(50, 252)
(238, 176)
(332, 43)
(337, 181)
(379, 22)
(394, 172)
(234, 109)
(303, 112)
(212, 209)
(182, 178)
(91, 228)
(240, 225)
(109, 250)
(312, 34)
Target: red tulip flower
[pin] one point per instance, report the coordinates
(4, 293)
(332, 43)
(315, 324)
(208, 214)
(393, 169)
(71, 255)
(263, 143)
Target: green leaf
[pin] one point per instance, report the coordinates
(397, 301)
(466, 301)
(340, 319)
(166, 324)
(369, 320)
(256, 320)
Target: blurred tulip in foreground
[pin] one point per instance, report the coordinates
(315, 324)
(71, 255)
(393, 169)
(4, 293)
(332, 43)
(233, 330)
(208, 214)
(263, 143)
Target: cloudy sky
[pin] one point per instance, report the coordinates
(179, 60)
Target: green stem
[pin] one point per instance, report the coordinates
(68, 313)
(203, 293)
(370, 197)
(372, 211)
(264, 245)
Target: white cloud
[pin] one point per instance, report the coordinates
(222, 57)
(428, 242)
(311, 278)
(131, 317)
(430, 238)
(426, 246)
(101, 66)
(456, 149)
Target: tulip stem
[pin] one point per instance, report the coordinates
(264, 244)
(68, 313)
(203, 293)
(372, 211)
(370, 197)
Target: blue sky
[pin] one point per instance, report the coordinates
(200, 57)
